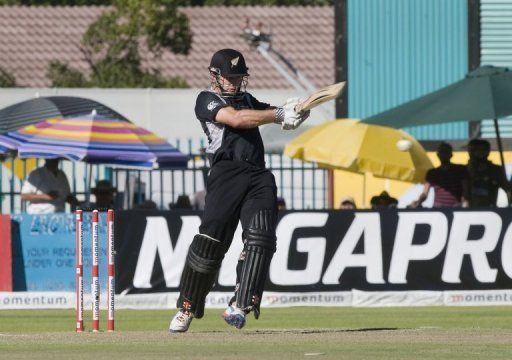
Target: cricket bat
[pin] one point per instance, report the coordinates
(321, 96)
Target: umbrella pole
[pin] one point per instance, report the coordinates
(330, 188)
(500, 149)
(89, 179)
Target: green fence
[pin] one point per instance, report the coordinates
(301, 185)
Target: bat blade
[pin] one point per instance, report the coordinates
(321, 96)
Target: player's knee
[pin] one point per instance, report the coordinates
(260, 239)
(205, 254)
(262, 230)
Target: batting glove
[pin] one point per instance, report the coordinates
(290, 115)
(301, 117)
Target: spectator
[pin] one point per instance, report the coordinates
(183, 202)
(449, 181)
(281, 204)
(104, 194)
(347, 203)
(47, 189)
(382, 201)
(485, 178)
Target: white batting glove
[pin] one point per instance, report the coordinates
(301, 117)
(290, 115)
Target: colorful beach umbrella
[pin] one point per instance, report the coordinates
(38, 109)
(97, 140)
(362, 148)
(7, 146)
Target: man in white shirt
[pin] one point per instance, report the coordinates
(47, 189)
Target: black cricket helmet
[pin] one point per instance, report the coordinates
(228, 62)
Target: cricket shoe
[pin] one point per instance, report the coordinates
(234, 316)
(181, 321)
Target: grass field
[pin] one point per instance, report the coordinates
(292, 333)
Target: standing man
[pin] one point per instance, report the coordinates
(239, 187)
(485, 178)
(449, 180)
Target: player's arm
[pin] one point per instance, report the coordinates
(245, 118)
(29, 192)
(210, 109)
(38, 197)
(423, 196)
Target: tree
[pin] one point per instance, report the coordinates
(112, 46)
(64, 76)
(6, 79)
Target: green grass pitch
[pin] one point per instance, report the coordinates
(291, 333)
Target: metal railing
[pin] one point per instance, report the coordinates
(301, 185)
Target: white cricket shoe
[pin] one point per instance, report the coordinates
(181, 321)
(234, 316)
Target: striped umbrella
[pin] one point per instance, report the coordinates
(96, 140)
(7, 145)
(32, 111)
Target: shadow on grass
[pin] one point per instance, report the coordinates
(305, 331)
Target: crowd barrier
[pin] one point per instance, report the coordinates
(329, 258)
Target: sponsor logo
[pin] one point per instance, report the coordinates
(484, 297)
(445, 240)
(212, 105)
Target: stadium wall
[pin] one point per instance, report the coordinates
(324, 258)
(400, 50)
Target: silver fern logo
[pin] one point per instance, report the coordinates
(234, 62)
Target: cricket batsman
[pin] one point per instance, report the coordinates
(238, 188)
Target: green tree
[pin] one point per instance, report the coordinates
(113, 44)
(64, 76)
(6, 79)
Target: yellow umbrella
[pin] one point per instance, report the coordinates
(359, 147)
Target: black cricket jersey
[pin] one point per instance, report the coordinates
(225, 142)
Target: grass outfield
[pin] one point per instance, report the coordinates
(292, 333)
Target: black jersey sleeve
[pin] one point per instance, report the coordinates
(208, 105)
(256, 104)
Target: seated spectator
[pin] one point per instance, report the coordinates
(485, 178)
(104, 194)
(449, 181)
(348, 203)
(47, 189)
(383, 201)
(281, 204)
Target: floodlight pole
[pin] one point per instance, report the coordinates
(263, 44)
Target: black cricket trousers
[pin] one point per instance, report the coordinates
(236, 190)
